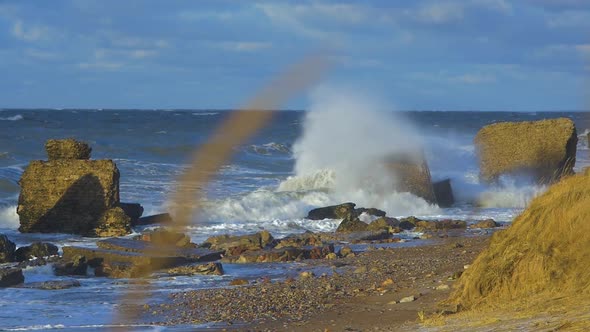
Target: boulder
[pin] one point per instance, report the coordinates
(408, 223)
(72, 196)
(370, 211)
(443, 193)
(11, 276)
(300, 240)
(545, 149)
(133, 211)
(164, 236)
(352, 225)
(357, 237)
(205, 269)
(488, 223)
(7, 249)
(428, 225)
(162, 218)
(149, 249)
(411, 174)
(285, 254)
(67, 149)
(76, 265)
(235, 245)
(385, 223)
(340, 211)
(35, 250)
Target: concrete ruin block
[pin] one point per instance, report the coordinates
(67, 149)
(444, 193)
(71, 196)
(412, 175)
(544, 149)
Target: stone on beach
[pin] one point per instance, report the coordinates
(164, 236)
(443, 193)
(235, 245)
(488, 223)
(75, 265)
(162, 218)
(340, 211)
(36, 249)
(353, 224)
(412, 175)
(7, 249)
(545, 149)
(11, 276)
(285, 254)
(71, 195)
(205, 269)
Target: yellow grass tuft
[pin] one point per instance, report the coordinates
(545, 253)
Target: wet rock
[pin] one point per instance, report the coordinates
(189, 270)
(162, 218)
(286, 254)
(71, 196)
(545, 149)
(37, 249)
(356, 237)
(408, 223)
(306, 275)
(425, 225)
(443, 287)
(7, 249)
(413, 175)
(331, 256)
(370, 211)
(133, 211)
(67, 149)
(407, 299)
(164, 236)
(238, 282)
(151, 249)
(352, 225)
(340, 211)
(53, 285)
(346, 251)
(385, 223)
(300, 240)
(235, 245)
(443, 193)
(75, 266)
(488, 223)
(121, 270)
(11, 276)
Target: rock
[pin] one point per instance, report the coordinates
(356, 237)
(7, 249)
(408, 223)
(370, 211)
(53, 284)
(189, 270)
(412, 175)
(443, 193)
(443, 287)
(306, 275)
(11, 276)
(235, 245)
(162, 218)
(131, 258)
(75, 266)
(545, 149)
(340, 211)
(133, 211)
(300, 240)
(71, 196)
(159, 250)
(164, 236)
(425, 225)
(39, 261)
(407, 299)
(331, 256)
(345, 251)
(385, 223)
(360, 270)
(286, 254)
(67, 149)
(352, 225)
(488, 223)
(37, 249)
(238, 282)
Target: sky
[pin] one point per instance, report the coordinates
(496, 55)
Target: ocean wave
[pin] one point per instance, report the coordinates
(322, 179)
(270, 148)
(12, 118)
(509, 196)
(8, 217)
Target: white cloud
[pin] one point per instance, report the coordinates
(439, 12)
(30, 33)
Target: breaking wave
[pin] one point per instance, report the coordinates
(12, 118)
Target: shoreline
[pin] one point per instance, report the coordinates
(358, 293)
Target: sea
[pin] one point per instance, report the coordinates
(301, 160)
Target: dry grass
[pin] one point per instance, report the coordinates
(545, 251)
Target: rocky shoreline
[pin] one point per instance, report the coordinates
(391, 284)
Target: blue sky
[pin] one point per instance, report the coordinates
(442, 55)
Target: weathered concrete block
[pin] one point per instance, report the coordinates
(545, 149)
(71, 196)
(412, 175)
(443, 193)
(67, 149)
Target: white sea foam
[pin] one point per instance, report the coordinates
(8, 217)
(12, 118)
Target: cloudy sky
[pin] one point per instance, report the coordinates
(423, 54)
